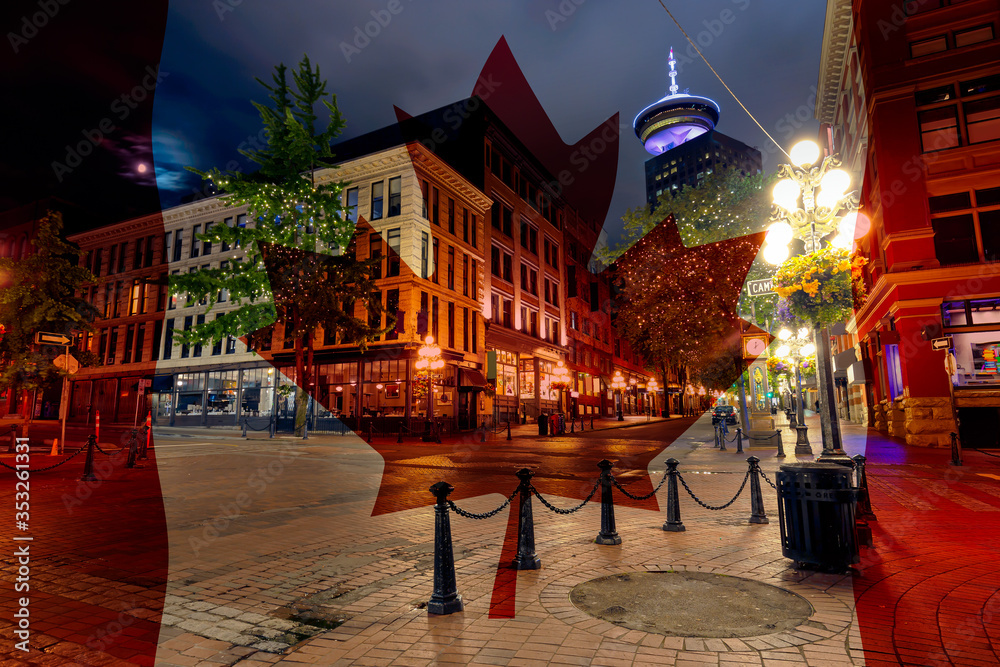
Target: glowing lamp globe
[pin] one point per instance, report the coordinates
(836, 182)
(783, 351)
(780, 233)
(808, 349)
(775, 254)
(784, 334)
(786, 194)
(854, 225)
(805, 153)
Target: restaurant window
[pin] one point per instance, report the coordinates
(465, 275)
(377, 196)
(424, 249)
(939, 129)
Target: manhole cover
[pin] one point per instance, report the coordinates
(691, 604)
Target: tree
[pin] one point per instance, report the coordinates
(299, 265)
(39, 293)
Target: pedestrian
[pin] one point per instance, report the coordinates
(817, 406)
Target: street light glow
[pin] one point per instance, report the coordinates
(784, 334)
(805, 153)
(775, 254)
(779, 233)
(786, 194)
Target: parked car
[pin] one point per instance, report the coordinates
(724, 412)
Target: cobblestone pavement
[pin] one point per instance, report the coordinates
(277, 555)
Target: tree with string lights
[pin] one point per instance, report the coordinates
(295, 263)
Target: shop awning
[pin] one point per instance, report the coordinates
(843, 360)
(473, 378)
(162, 383)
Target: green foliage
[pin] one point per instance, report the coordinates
(39, 294)
(286, 209)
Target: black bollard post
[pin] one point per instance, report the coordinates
(956, 450)
(508, 429)
(526, 558)
(608, 534)
(445, 598)
(722, 439)
(781, 445)
(482, 435)
(572, 425)
(757, 514)
(244, 433)
(133, 449)
(739, 440)
(864, 500)
(370, 430)
(88, 465)
(591, 421)
(673, 523)
(143, 441)
(305, 429)
(271, 425)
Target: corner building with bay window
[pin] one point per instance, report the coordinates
(910, 93)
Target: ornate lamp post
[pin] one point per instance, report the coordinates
(798, 349)
(618, 384)
(807, 203)
(430, 360)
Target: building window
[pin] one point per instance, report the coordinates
(375, 311)
(529, 237)
(572, 320)
(451, 268)
(136, 301)
(206, 246)
(228, 222)
(185, 351)
(178, 245)
(424, 201)
(474, 242)
(422, 315)
(197, 347)
(377, 200)
(465, 329)
(395, 196)
(465, 225)
(217, 344)
(168, 340)
(157, 334)
(434, 319)
(392, 267)
(392, 310)
(508, 267)
(928, 46)
(451, 215)
(495, 265)
(529, 279)
(424, 250)
(508, 313)
(501, 218)
(465, 275)
(352, 205)
(375, 253)
(195, 243)
(129, 342)
(436, 208)
(112, 345)
(451, 325)
(437, 263)
(983, 33)
(474, 280)
(955, 239)
(939, 129)
(137, 254)
(982, 119)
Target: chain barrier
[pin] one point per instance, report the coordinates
(709, 507)
(246, 423)
(645, 497)
(49, 467)
(98, 447)
(982, 452)
(770, 483)
(487, 515)
(733, 439)
(569, 511)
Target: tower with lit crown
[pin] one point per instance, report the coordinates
(678, 130)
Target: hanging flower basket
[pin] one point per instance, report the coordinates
(490, 389)
(556, 386)
(818, 287)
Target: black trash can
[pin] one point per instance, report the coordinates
(543, 425)
(816, 507)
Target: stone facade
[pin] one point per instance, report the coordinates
(929, 421)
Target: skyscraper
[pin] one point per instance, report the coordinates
(679, 131)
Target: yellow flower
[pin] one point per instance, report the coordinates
(811, 288)
(844, 265)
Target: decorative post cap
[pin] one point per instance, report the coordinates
(753, 460)
(605, 464)
(441, 491)
(524, 474)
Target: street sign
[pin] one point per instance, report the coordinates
(145, 384)
(941, 343)
(760, 287)
(46, 338)
(71, 366)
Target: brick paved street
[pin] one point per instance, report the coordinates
(299, 552)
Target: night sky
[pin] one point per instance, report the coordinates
(82, 71)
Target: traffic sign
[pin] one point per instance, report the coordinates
(71, 366)
(941, 343)
(760, 287)
(145, 383)
(47, 338)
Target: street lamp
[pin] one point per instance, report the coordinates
(430, 360)
(807, 202)
(618, 384)
(633, 387)
(798, 349)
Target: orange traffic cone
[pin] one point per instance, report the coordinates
(55, 447)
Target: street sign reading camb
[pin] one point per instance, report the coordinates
(760, 287)
(46, 338)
